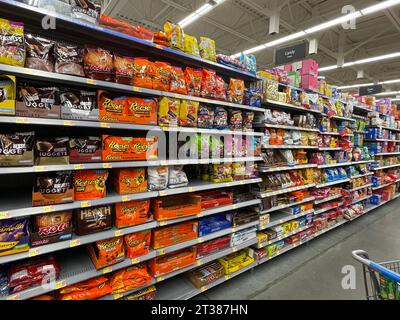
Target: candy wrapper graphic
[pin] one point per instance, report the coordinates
(14, 236)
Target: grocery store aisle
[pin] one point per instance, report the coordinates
(313, 271)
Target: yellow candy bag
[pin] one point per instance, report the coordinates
(207, 49)
(175, 35)
(168, 112)
(191, 46)
(188, 113)
(12, 47)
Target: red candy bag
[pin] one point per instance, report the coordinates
(193, 79)
(208, 83)
(178, 82)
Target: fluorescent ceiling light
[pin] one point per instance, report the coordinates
(359, 85)
(378, 7)
(198, 13)
(362, 61)
(333, 22)
(285, 39)
(387, 93)
(255, 49)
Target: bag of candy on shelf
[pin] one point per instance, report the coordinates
(178, 82)
(207, 49)
(88, 10)
(191, 46)
(193, 79)
(175, 35)
(12, 49)
(208, 83)
(162, 76)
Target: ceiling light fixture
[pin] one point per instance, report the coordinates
(199, 12)
(359, 85)
(362, 61)
(323, 26)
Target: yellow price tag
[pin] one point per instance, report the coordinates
(162, 193)
(234, 206)
(191, 189)
(68, 123)
(90, 81)
(164, 162)
(162, 223)
(5, 215)
(14, 297)
(199, 215)
(48, 209)
(119, 233)
(85, 204)
(74, 243)
(202, 289)
(79, 166)
(160, 252)
(165, 128)
(227, 277)
(199, 263)
(117, 296)
(107, 165)
(107, 270)
(21, 120)
(136, 89)
(60, 284)
(200, 240)
(159, 279)
(125, 198)
(41, 169)
(104, 125)
(33, 253)
(234, 249)
(234, 229)
(158, 46)
(278, 253)
(135, 261)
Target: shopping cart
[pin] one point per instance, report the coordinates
(382, 280)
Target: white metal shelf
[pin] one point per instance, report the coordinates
(361, 187)
(361, 175)
(385, 185)
(16, 206)
(329, 149)
(344, 164)
(122, 164)
(280, 126)
(386, 167)
(383, 127)
(334, 197)
(288, 106)
(286, 168)
(388, 154)
(327, 184)
(381, 140)
(287, 190)
(120, 126)
(282, 146)
(361, 199)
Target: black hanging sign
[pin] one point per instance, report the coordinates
(290, 54)
(367, 91)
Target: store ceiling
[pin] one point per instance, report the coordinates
(242, 24)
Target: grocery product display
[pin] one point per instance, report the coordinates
(161, 175)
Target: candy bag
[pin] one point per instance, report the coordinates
(205, 117)
(157, 178)
(208, 83)
(175, 35)
(168, 112)
(235, 119)
(178, 82)
(191, 46)
(220, 118)
(220, 89)
(162, 76)
(207, 49)
(193, 79)
(12, 49)
(188, 113)
(236, 91)
(144, 72)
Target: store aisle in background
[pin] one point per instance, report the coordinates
(313, 271)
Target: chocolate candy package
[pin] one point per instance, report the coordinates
(98, 64)
(88, 10)
(90, 184)
(220, 118)
(38, 102)
(157, 178)
(51, 227)
(85, 149)
(235, 119)
(12, 43)
(16, 149)
(68, 59)
(3, 282)
(78, 105)
(52, 151)
(94, 219)
(205, 117)
(14, 236)
(39, 53)
(53, 188)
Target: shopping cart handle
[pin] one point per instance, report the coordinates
(363, 257)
